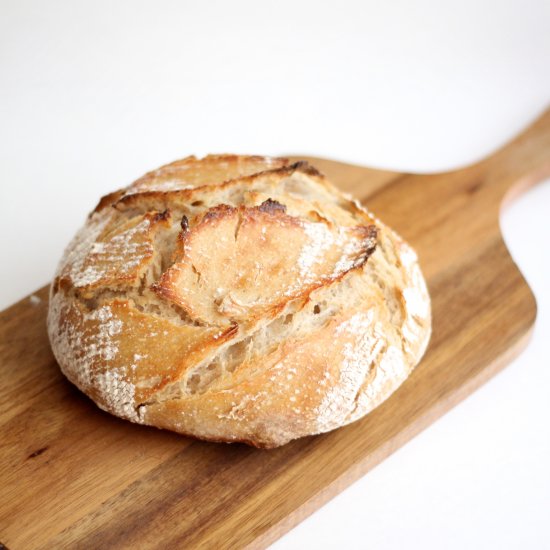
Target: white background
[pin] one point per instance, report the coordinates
(93, 94)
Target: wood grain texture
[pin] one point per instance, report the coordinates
(74, 476)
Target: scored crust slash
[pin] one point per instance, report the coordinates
(237, 298)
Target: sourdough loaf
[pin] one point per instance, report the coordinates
(237, 298)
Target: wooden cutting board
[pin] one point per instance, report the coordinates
(74, 476)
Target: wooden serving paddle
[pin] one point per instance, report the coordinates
(74, 476)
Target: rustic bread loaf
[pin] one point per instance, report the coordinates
(237, 299)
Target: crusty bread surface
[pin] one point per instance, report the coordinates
(236, 298)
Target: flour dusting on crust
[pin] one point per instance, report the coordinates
(360, 349)
(320, 239)
(81, 246)
(118, 394)
(78, 352)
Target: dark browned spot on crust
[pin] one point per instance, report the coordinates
(162, 216)
(218, 211)
(271, 206)
(56, 285)
(38, 452)
(306, 168)
(370, 236)
(184, 223)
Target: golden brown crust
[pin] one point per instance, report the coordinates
(241, 264)
(118, 256)
(150, 193)
(151, 352)
(191, 172)
(230, 298)
(108, 200)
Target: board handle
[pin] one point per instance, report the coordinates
(522, 162)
